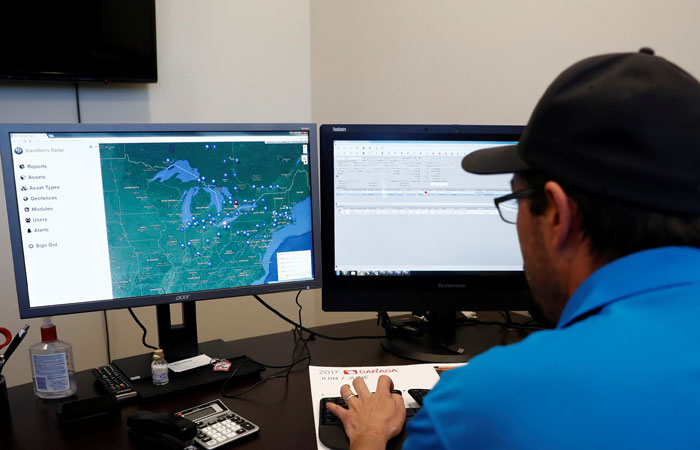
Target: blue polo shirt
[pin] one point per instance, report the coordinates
(621, 370)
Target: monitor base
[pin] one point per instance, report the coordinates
(421, 349)
(138, 370)
(442, 339)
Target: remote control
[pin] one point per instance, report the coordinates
(114, 382)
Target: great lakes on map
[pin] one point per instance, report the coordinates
(192, 216)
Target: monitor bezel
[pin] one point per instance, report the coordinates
(474, 291)
(27, 311)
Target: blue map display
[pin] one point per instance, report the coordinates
(184, 217)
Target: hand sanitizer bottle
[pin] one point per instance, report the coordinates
(53, 371)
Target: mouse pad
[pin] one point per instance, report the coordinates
(333, 436)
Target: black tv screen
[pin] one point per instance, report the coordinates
(84, 40)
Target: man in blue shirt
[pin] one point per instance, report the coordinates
(606, 198)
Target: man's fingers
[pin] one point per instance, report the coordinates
(360, 386)
(346, 394)
(384, 384)
(381, 415)
(337, 410)
(345, 391)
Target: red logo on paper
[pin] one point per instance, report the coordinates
(369, 371)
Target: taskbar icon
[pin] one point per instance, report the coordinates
(372, 273)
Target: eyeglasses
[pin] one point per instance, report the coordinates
(508, 204)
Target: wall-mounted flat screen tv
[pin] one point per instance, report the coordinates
(80, 40)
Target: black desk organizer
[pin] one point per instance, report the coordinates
(138, 370)
(196, 377)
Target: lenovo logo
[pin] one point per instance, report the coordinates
(340, 129)
(451, 286)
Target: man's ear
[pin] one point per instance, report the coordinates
(561, 215)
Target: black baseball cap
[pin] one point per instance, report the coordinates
(622, 126)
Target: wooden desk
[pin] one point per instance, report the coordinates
(282, 410)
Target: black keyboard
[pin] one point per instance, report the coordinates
(418, 395)
(328, 418)
(110, 379)
(332, 434)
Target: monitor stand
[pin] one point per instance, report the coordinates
(439, 339)
(180, 342)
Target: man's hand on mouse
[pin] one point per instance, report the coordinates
(371, 418)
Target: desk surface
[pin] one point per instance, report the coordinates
(283, 411)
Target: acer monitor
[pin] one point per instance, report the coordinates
(114, 216)
(405, 228)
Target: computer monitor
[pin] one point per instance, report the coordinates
(115, 216)
(405, 228)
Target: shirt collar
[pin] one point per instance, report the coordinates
(630, 275)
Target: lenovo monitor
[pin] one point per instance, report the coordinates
(404, 228)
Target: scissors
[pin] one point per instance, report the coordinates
(8, 336)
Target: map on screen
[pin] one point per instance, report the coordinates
(189, 216)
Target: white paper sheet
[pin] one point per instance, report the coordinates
(326, 381)
(189, 363)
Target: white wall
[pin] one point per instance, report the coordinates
(364, 61)
(474, 61)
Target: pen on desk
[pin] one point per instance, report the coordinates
(13, 345)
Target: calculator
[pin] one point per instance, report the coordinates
(217, 425)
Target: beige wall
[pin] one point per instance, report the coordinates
(473, 61)
(364, 61)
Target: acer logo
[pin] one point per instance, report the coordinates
(339, 129)
(182, 297)
(451, 286)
